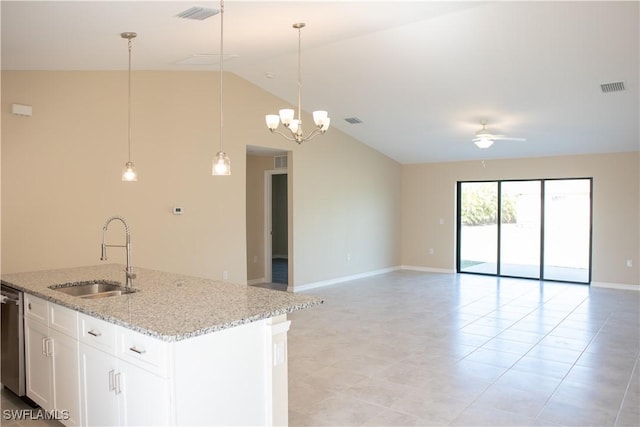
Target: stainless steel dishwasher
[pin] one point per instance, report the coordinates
(12, 331)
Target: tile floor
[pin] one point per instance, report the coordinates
(409, 348)
(416, 349)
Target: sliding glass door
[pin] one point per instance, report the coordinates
(567, 230)
(478, 227)
(520, 229)
(536, 229)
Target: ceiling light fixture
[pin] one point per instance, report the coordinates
(483, 138)
(294, 125)
(221, 163)
(129, 173)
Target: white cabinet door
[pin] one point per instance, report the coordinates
(98, 384)
(38, 349)
(145, 398)
(66, 377)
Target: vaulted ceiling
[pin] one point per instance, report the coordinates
(422, 76)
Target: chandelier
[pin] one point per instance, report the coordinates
(287, 115)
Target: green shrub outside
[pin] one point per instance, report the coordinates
(480, 207)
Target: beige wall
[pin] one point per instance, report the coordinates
(61, 178)
(428, 195)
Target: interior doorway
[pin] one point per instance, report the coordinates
(268, 222)
(535, 229)
(277, 224)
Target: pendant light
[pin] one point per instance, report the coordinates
(286, 115)
(221, 163)
(129, 173)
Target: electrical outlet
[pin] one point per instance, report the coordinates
(430, 251)
(629, 263)
(225, 275)
(348, 256)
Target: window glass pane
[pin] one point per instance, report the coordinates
(479, 227)
(520, 229)
(567, 225)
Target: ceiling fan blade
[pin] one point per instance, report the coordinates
(507, 138)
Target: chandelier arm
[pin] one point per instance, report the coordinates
(313, 134)
(282, 134)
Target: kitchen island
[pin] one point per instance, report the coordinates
(180, 350)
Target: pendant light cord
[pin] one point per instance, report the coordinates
(221, 69)
(129, 107)
(299, 75)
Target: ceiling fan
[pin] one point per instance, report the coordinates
(485, 139)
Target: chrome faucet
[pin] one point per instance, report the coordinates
(129, 271)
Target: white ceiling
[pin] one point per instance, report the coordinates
(421, 75)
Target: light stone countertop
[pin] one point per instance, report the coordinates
(167, 306)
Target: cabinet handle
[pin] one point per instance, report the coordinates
(137, 350)
(48, 346)
(95, 334)
(112, 387)
(118, 390)
(29, 305)
(44, 343)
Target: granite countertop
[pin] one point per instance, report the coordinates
(167, 306)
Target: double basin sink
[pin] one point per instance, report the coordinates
(93, 289)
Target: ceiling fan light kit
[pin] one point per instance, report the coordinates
(485, 139)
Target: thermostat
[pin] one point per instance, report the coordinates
(177, 210)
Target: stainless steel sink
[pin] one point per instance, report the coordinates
(93, 289)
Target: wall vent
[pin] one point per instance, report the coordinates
(353, 120)
(280, 162)
(612, 87)
(198, 13)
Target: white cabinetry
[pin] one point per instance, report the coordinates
(52, 358)
(125, 378)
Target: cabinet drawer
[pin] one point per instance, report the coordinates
(63, 320)
(143, 351)
(36, 308)
(97, 333)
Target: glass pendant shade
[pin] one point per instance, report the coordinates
(286, 115)
(221, 164)
(129, 174)
(273, 121)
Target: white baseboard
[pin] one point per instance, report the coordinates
(427, 269)
(337, 280)
(622, 286)
(255, 281)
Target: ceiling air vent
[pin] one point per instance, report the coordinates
(198, 13)
(612, 87)
(353, 120)
(280, 162)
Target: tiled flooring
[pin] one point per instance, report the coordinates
(409, 348)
